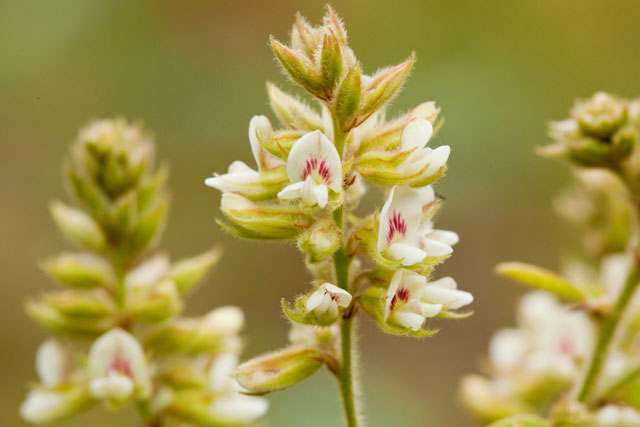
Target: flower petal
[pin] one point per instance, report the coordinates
(51, 362)
(449, 238)
(321, 195)
(409, 320)
(343, 297)
(238, 408)
(434, 248)
(415, 135)
(407, 254)
(315, 299)
(264, 159)
(292, 191)
(400, 216)
(314, 152)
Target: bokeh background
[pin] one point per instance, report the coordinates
(194, 73)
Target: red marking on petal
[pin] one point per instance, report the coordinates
(565, 346)
(120, 365)
(403, 294)
(397, 225)
(318, 166)
(333, 297)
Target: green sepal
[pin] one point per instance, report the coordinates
(279, 142)
(372, 302)
(389, 176)
(189, 272)
(347, 99)
(292, 113)
(446, 314)
(79, 227)
(75, 304)
(56, 322)
(540, 278)
(297, 313)
(80, 270)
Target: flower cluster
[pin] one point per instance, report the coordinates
(573, 358)
(126, 305)
(310, 175)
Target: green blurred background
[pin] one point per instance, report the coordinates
(194, 73)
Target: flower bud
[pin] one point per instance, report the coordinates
(279, 370)
(78, 227)
(80, 270)
(53, 320)
(147, 228)
(299, 69)
(330, 60)
(188, 273)
(320, 241)
(197, 335)
(382, 87)
(279, 143)
(292, 112)
(94, 304)
(601, 115)
(155, 303)
(262, 221)
(347, 99)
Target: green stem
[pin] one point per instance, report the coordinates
(341, 264)
(607, 333)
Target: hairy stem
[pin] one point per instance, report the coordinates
(607, 333)
(341, 264)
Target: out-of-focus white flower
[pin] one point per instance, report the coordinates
(415, 136)
(326, 300)
(410, 299)
(551, 340)
(617, 416)
(52, 363)
(148, 273)
(229, 405)
(40, 406)
(313, 167)
(402, 233)
(239, 175)
(118, 367)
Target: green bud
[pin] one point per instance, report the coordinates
(182, 374)
(330, 60)
(56, 322)
(540, 278)
(379, 169)
(188, 273)
(78, 227)
(88, 193)
(147, 229)
(382, 87)
(279, 143)
(291, 112)
(347, 100)
(93, 304)
(591, 152)
(299, 69)
(304, 37)
(262, 221)
(320, 241)
(624, 141)
(80, 270)
(198, 335)
(280, 369)
(601, 115)
(155, 303)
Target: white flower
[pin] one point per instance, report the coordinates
(148, 273)
(229, 405)
(402, 235)
(551, 339)
(410, 299)
(52, 363)
(324, 302)
(239, 175)
(314, 167)
(118, 367)
(617, 416)
(415, 136)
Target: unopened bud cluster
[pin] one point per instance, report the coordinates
(116, 334)
(602, 131)
(572, 358)
(309, 175)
